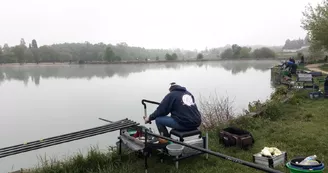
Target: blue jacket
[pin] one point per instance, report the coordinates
(181, 104)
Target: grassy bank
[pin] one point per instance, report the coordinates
(324, 67)
(297, 126)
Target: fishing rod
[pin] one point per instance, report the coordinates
(43, 145)
(106, 120)
(65, 137)
(44, 142)
(242, 162)
(61, 136)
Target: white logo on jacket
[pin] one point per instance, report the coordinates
(187, 100)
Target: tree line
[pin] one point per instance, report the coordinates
(67, 52)
(238, 52)
(82, 52)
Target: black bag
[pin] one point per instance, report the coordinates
(233, 136)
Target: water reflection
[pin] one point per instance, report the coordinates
(34, 73)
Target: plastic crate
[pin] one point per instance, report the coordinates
(271, 162)
(195, 142)
(315, 95)
(304, 77)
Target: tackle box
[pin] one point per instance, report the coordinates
(271, 162)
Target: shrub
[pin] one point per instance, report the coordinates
(215, 110)
(273, 110)
(280, 92)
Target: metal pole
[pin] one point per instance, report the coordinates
(143, 102)
(249, 164)
(120, 150)
(145, 151)
(206, 144)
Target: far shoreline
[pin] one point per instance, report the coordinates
(129, 62)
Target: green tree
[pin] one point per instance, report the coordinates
(263, 52)
(19, 53)
(168, 57)
(299, 55)
(34, 44)
(117, 58)
(315, 21)
(8, 55)
(236, 50)
(174, 56)
(23, 43)
(109, 54)
(245, 52)
(6, 48)
(28, 55)
(200, 56)
(35, 51)
(48, 54)
(227, 54)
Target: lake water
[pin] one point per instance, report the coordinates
(43, 101)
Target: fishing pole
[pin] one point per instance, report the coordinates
(69, 136)
(44, 145)
(105, 120)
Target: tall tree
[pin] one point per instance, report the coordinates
(34, 44)
(315, 21)
(6, 48)
(19, 53)
(245, 52)
(227, 54)
(109, 54)
(236, 50)
(8, 55)
(35, 51)
(22, 43)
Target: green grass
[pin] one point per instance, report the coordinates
(298, 127)
(324, 67)
(302, 67)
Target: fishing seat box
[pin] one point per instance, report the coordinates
(270, 162)
(233, 136)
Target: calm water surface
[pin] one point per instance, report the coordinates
(43, 101)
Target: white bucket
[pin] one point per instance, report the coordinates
(174, 149)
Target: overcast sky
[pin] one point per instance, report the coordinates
(187, 24)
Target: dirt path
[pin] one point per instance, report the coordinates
(315, 67)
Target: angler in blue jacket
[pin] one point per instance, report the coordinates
(181, 105)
